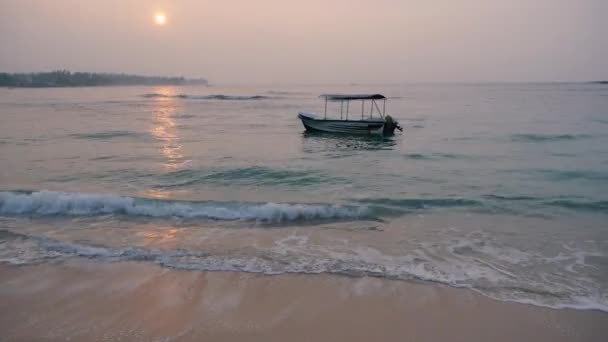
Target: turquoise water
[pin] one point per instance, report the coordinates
(501, 188)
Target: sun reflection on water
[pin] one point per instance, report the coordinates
(160, 236)
(165, 130)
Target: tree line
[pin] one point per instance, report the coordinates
(65, 78)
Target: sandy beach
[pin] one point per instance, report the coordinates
(87, 300)
(320, 170)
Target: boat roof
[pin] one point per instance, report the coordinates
(346, 97)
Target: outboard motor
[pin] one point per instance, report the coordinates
(390, 125)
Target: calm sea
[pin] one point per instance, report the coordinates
(500, 188)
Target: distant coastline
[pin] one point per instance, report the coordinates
(65, 78)
(599, 82)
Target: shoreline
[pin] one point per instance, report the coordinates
(91, 300)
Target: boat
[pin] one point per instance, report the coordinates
(367, 124)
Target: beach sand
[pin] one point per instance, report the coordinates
(93, 301)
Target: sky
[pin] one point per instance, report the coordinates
(312, 41)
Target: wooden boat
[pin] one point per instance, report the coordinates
(381, 124)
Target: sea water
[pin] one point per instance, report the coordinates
(500, 188)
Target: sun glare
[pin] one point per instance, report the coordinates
(160, 19)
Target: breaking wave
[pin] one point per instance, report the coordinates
(207, 97)
(45, 203)
(54, 203)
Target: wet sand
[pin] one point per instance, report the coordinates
(87, 300)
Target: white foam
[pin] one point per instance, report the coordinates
(296, 254)
(75, 204)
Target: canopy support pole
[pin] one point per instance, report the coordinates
(384, 107)
(341, 108)
(347, 108)
(378, 108)
(362, 108)
(325, 107)
(371, 110)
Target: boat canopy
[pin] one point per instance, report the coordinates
(349, 97)
(346, 98)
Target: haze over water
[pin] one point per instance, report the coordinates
(314, 41)
(501, 188)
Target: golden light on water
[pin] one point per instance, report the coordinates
(159, 236)
(165, 130)
(160, 18)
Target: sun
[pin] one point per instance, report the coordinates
(160, 18)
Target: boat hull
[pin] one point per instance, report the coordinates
(364, 127)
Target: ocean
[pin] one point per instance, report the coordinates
(499, 188)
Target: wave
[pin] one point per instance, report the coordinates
(207, 97)
(255, 175)
(547, 137)
(462, 267)
(53, 203)
(418, 156)
(280, 92)
(45, 203)
(108, 135)
(423, 203)
(510, 198)
(596, 206)
(492, 203)
(564, 175)
(432, 156)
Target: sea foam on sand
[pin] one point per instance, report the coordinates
(86, 300)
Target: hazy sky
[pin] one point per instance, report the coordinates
(312, 41)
